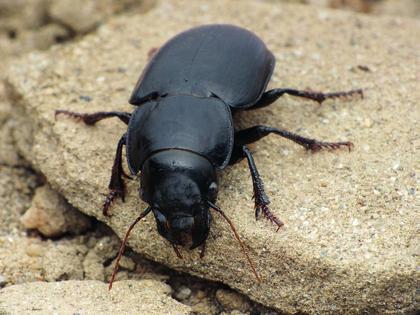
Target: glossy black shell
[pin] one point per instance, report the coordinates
(200, 125)
(222, 60)
(198, 76)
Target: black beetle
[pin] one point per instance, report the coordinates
(182, 132)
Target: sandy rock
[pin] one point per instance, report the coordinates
(64, 262)
(26, 25)
(16, 189)
(8, 152)
(350, 238)
(231, 300)
(3, 280)
(90, 297)
(182, 293)
(234, 312)
(204, 306)
(127, 263)
(43, 37)
(93, 264)
(28, 259)
(19, 14)
(52, 216)
(82, 16)
(407, 8)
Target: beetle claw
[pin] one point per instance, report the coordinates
(110, 199)
(321, 97)
(261, 205)
(127, 176)
(177, 252)
(316, 146)
(269, 215)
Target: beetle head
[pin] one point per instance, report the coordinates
(177, 185)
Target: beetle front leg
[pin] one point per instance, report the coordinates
(116, 184)
(93, 118)
(261, 199)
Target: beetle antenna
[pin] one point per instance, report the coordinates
(251, 263)
(123, 242)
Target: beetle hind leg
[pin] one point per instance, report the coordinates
(116, 184)
(93, 118)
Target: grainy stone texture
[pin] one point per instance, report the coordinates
(27, 25)
(350, 241)
(232, 300)
(52, 216)
(16, 186)
(90, 297)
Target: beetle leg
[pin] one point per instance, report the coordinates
(261, 199)
(203, 250)
(93, 118)
(255, 133)
(271, 96)
(152, 52)
(177, 252)
(116, 184)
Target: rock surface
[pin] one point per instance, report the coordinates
(90, 297)
(26, 25)
(350, 239)
(52, 216)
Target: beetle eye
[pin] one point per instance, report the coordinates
(213, 186)
(213, 190)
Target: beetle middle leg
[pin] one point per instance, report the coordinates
(116, 184)
(271, 96)
(93, 118)
(253, 134)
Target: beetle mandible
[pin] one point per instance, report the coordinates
(181, 132)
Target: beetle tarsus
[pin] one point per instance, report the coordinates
(203, 250)
(252, 134)
(116, 183)
(268, 214)
(93, 118)
(262, 205)
(320, 97)
(177, 252)
(316, 146)
(125, 175)
(261, 199)
(271, 96)
(110, 199)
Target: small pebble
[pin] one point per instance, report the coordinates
(85, 98)
(200, 294)
(232, 300)
(3, 281)
(368, 123)
(127, 263)
(396, 166)
(35, 250)
(182, 293)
